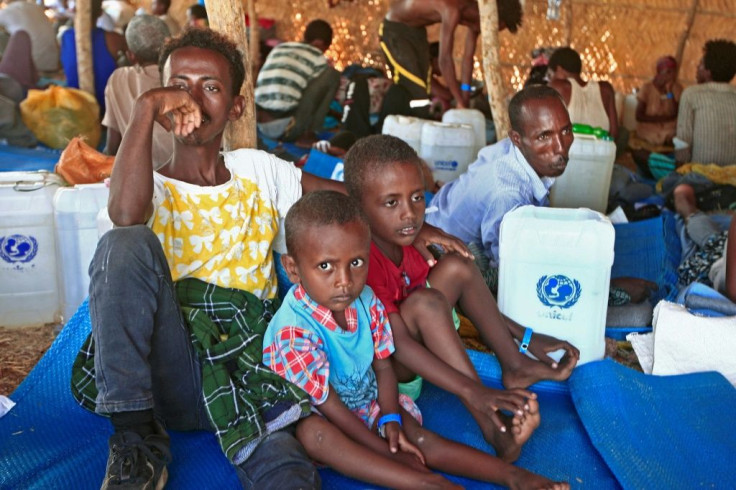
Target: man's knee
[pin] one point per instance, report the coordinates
(124, 247)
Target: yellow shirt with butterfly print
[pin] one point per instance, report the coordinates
(225, 234)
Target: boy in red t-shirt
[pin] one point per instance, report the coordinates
(383, 173)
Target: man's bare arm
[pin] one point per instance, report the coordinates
(131, 182)
(466, 74)
(450, 21)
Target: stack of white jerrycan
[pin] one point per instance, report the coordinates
(407, 128)
(48, 235)
(587, 178)
(449, 146)
(555, 268)
(29, 293)
(75, 217)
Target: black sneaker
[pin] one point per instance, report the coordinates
(137, 463)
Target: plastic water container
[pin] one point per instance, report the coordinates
(75, 222)
(555, 268)
(448, 149)
(104, 223)
(474, 118)
(587, 178)
(628, 119)
(28, 274)
(407, 128)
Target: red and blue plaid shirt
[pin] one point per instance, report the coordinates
(299, 354)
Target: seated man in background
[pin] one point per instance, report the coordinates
(295, 87)
(656, 111)
(145, 35)
(516, 171)
(592, 103)
(708, 110)
(656, 114)
(107, 48)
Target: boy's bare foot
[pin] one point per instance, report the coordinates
(527, 371)
(518, 430)
(522, 479)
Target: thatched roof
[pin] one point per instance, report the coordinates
(620, 41)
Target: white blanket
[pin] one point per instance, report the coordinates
(686, 343)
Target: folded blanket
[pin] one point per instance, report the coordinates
(688, 343)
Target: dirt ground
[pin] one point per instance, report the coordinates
(20, 350)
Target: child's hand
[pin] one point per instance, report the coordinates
(430, 235)
(397, 440)
(541, 345)
(489, 401)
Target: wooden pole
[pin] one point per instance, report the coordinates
(83, 40)
(567, 8)
(227, 17)
(689, 21)
(254, 38)
(491, 66)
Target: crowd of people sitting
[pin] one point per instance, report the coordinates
(331, 373)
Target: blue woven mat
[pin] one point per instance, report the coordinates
(649, 249)
(16, 159)
(48, 441)
(664, 432)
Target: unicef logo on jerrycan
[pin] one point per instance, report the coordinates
(448, 165)
(18, 249)
(558, 292)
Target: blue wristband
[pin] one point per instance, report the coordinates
(465, 87)
(670, 95)
(525, 341)
(390, 417)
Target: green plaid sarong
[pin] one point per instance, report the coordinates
(245, 400)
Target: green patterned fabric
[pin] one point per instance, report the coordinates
(245, 400)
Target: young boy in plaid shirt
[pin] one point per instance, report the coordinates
(331, 337)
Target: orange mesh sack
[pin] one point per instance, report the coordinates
(81, 164)
(58, 114)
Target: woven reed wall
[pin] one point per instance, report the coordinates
(619, 41)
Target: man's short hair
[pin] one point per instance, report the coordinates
(214, 41)
(369, 156)
(567, 58)
(145, 35)
(510, 13)
(719, 58)
(318, 29)
(320, 208)
(532, 92)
